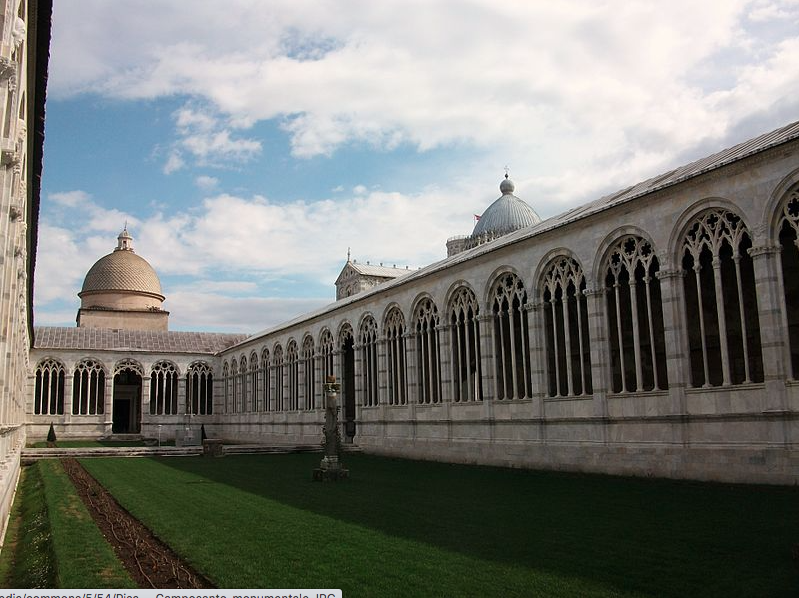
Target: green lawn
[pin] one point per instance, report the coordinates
(405, 528)
(52, 540)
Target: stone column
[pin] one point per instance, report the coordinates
(535, 333)
(600, 356)
(773, 335)
(411, 382)
(488, 368)
(445, 352)
(678, 364)
(301, 398)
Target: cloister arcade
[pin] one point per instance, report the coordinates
(508, 347)
(654, 331)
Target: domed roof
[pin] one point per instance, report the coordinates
(506, 214)
(122, 270)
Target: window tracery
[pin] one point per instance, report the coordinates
(394, 333)
(788, 227)
(200, 389)
(163, 388)
(48, 397)
(428, 362)
(465, 346)
(88, 388)
(635, 317)
(511, 338)
(309, 375)
(566, 329)
(720, 294)
(367, 339)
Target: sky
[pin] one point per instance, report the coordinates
(249, 144)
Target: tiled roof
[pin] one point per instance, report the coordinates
(104, 339)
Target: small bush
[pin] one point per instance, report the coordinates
(51, 434)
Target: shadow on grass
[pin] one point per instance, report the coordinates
(673, 538)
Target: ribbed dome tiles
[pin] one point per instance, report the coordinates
(122, 271)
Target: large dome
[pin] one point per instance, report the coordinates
(505, 215)
(122, 271)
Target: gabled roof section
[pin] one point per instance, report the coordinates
(106, 339)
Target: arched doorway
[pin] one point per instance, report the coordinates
(127, 399)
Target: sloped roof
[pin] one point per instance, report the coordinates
(105, 339)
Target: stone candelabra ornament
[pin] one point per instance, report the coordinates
(331, 469)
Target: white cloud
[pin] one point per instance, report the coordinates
(206, 183)
(554, 87)
(174, 163)
(70, 199)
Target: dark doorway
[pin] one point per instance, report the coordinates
(348, 388)
(127, 403)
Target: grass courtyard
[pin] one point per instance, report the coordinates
(406, 528)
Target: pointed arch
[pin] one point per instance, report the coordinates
(50, 380)
(394, 335)
(511, 337)
(309, 373)
(720, 300)
(199, 389)
(565, 322)
(163, 388)
(787, 233)
(428, 359)
(277, 376)
(463, 311)
(634, 316)
(88, 387)
(367, 341)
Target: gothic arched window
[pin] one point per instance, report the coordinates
(266, 404)
(368, 342)
(465, 346)
(254, 371)
(293, 374)
(788, 227)
(309, 375)
(243, 390)
(394, 333)
(88, 388)
(48, 398)
(163, 389)
(199, 389)
(277, 377)
(511, 338)
(428, 363)
(566, 329)
(720, 298)
(226, 385)
(234, 386)
(635, 317)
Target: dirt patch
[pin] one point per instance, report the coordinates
(150, 562)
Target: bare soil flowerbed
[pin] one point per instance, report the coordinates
(149, 561)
